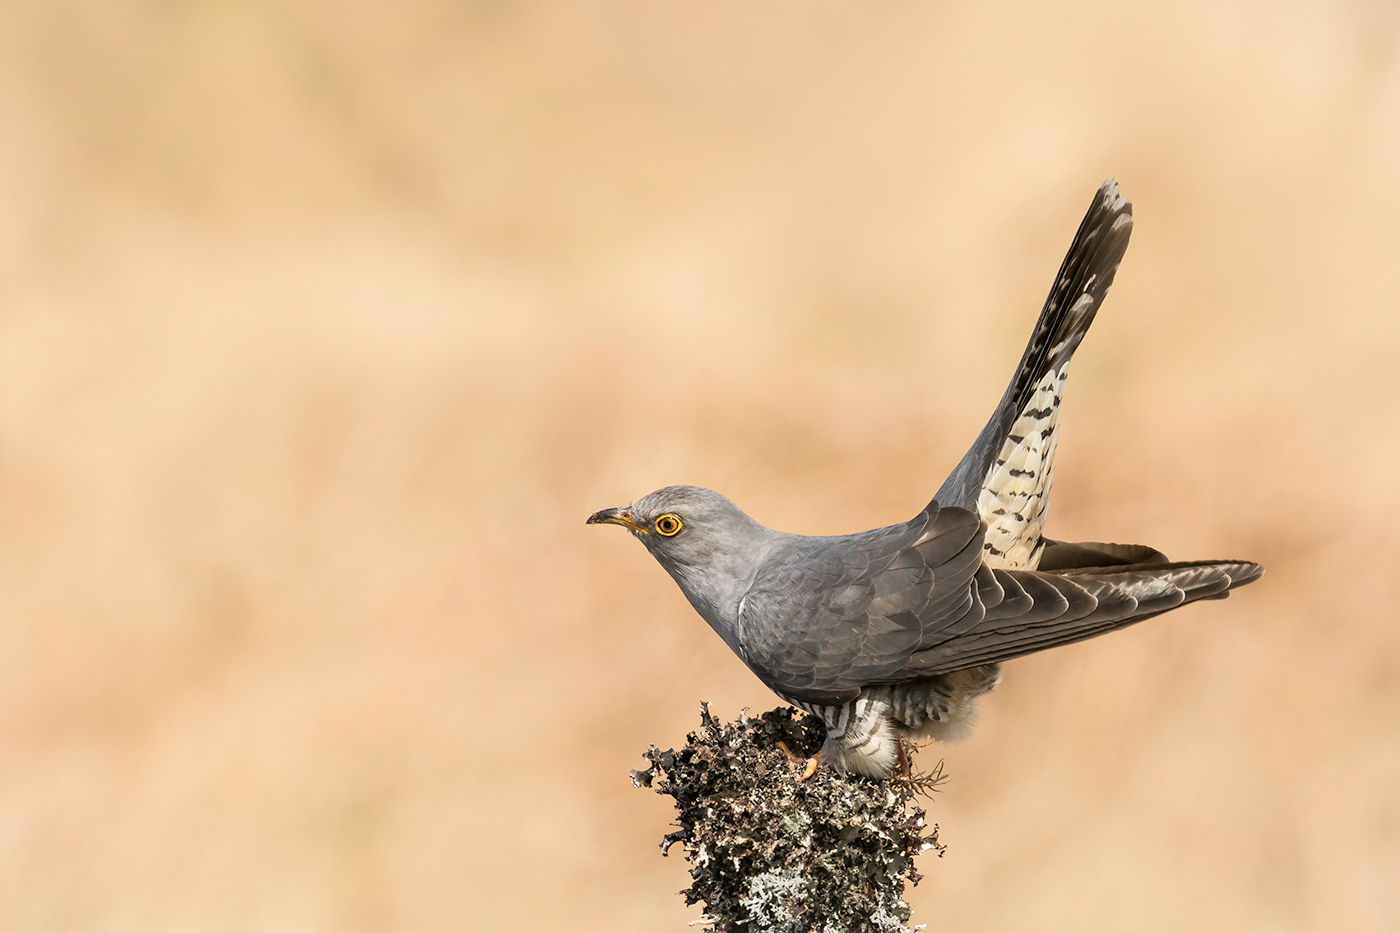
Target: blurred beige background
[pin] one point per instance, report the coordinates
(323, 326)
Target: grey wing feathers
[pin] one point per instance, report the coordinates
(836, 614)
(1083, 281)
(1075, 605)
(917, 600)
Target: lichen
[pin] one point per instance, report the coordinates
(769, 853)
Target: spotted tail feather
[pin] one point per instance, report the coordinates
(1007, 474)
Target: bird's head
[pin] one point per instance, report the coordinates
(683, 524)
(707, 544)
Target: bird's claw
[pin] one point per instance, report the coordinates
(810, 767)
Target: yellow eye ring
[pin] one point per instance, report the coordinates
(668, 525)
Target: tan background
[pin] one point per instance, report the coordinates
(323, 326)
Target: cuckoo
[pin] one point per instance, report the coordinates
(891, 635)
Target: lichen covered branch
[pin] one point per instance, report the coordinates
(770, 853)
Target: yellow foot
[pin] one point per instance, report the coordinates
(811, 763)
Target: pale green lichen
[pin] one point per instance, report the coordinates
(769, 853)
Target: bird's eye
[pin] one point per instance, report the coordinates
(668, 526)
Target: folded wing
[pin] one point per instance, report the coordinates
(918, 599)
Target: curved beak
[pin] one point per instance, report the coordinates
(621, 517)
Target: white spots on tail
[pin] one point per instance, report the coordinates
(1016, 493)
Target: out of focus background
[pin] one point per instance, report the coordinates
(323, 326)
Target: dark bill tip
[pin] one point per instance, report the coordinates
(621, 517)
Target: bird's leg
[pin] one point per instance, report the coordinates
(811, 763)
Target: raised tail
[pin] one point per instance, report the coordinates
(1006, 475)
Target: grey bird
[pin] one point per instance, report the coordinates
(891, 635)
